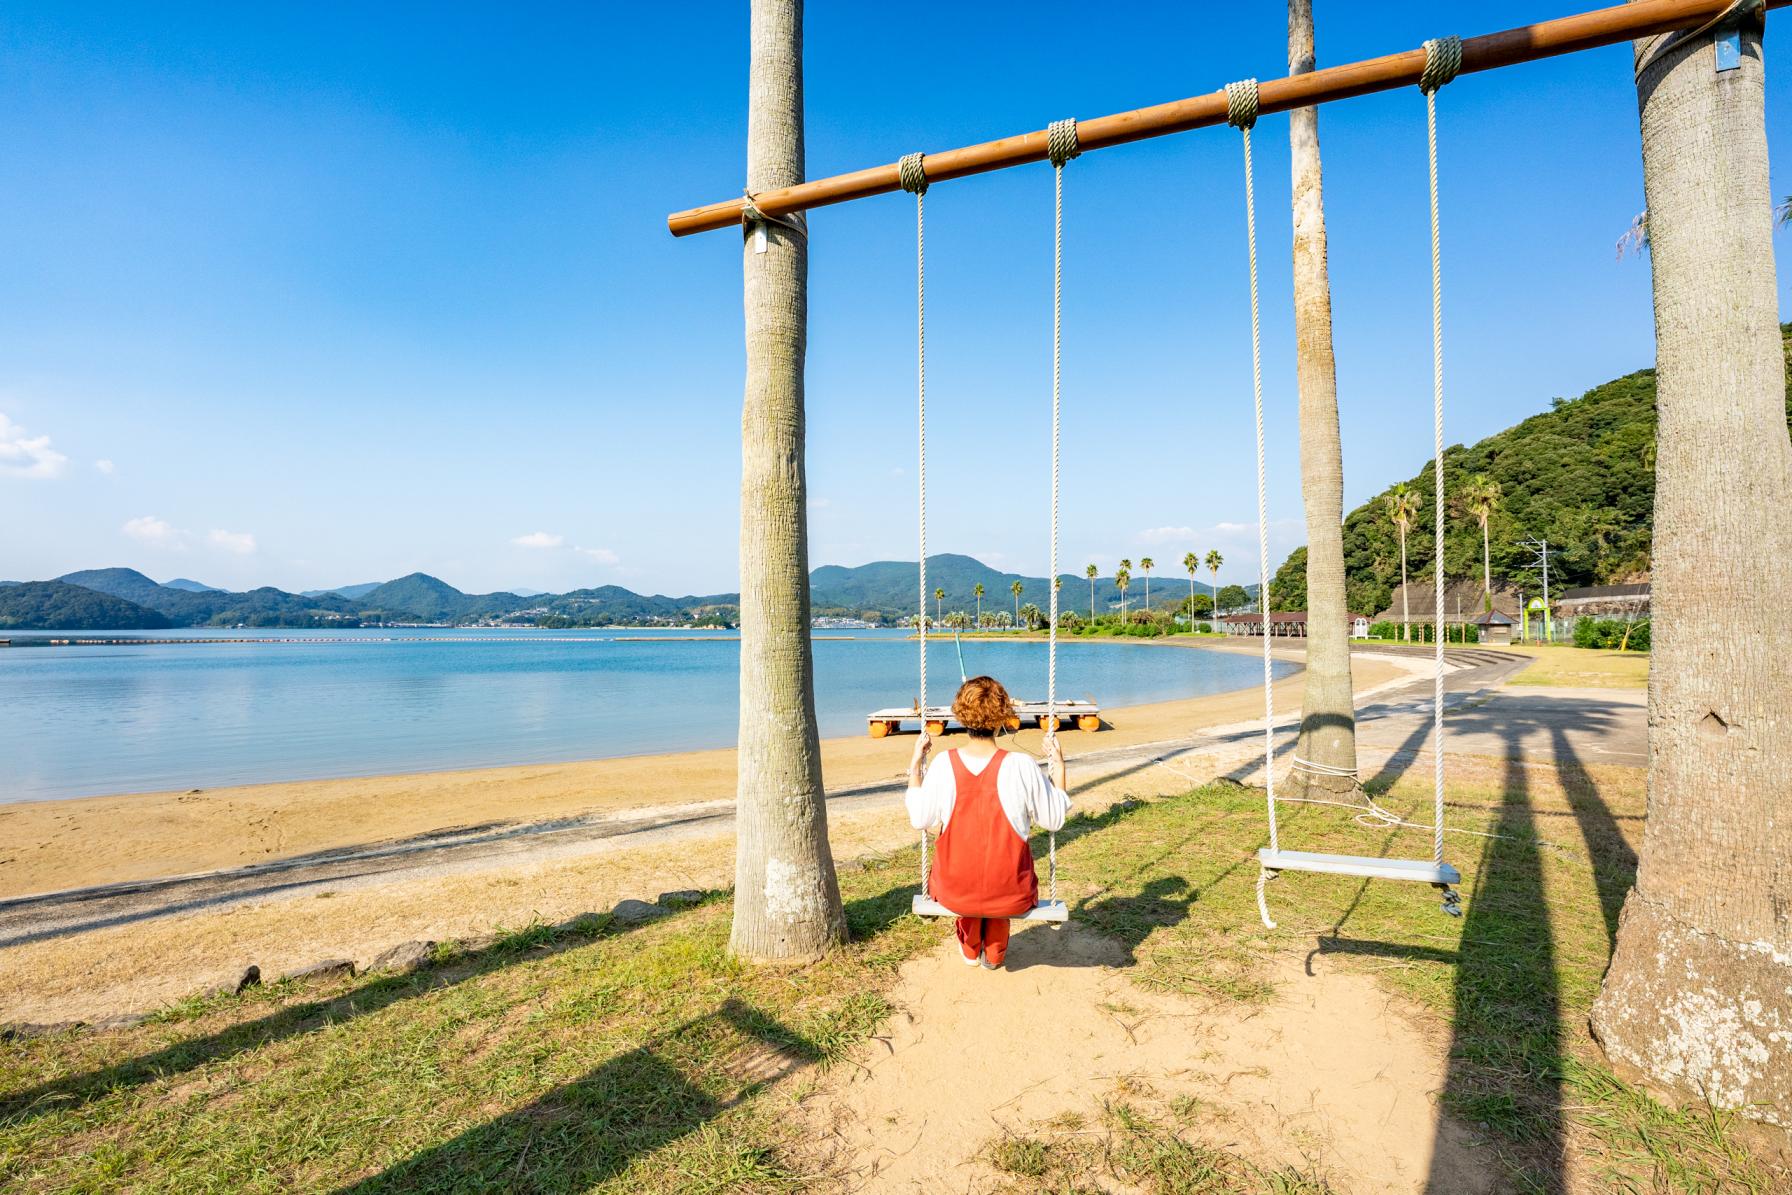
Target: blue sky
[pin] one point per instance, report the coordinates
(314, 294)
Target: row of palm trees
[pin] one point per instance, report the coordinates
(1478, 496)
(1192, 561)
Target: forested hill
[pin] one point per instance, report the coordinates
(1581, 475)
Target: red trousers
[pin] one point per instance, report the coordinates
(986, 934)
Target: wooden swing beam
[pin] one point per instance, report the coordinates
(1527, 43)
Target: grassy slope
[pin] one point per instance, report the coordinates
(644, 1060)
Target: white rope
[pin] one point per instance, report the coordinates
(1061, 145)
(1241, 112)
(1443, 57)
(914, 178)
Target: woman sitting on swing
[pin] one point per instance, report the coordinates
(983, 804)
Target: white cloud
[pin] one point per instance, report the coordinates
(28, 456)
(601, 555)
(105, 466)
(153, 532)
(539, 539)
(240, 542)
(1164, 535)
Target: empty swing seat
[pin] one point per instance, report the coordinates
(1368, 866)
(1045, 910)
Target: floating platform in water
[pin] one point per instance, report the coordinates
(1084, 715)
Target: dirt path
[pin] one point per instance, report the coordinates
(1330, 1078)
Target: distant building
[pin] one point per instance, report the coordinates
(1462, 602)
(1493, 627)
(1605, 601)
(1284, 624)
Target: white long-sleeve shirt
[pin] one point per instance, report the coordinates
(1028, 797)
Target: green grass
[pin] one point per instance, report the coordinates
(590, 1056)
(1581, 667)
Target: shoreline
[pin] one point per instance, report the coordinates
(574, 839)
(57, 845)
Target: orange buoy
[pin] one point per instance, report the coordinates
(1013, 721)
(1048, 722)
(880, 729)
(936, 727)
(1089, 722)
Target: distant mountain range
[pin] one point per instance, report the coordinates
(884, 591)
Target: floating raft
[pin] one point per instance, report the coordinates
(1084, 715)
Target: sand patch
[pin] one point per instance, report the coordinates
(1330, 1076)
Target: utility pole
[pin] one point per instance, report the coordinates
(1541, 547)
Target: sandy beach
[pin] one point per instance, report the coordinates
(140, 962)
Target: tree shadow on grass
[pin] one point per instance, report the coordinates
(371, 995)
(590, 1129)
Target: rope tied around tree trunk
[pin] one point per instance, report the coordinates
(797, 222)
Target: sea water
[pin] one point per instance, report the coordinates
(300, 705)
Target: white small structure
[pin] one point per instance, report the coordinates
(1360, 628)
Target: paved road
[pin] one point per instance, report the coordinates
(1586, 726)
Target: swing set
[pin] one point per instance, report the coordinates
(1239, 105)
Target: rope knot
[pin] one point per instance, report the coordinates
(750, 215)
(1241, 103)
(1060, 142)
(1443, 59)
(913, 173)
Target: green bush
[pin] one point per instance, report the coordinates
(1607, 634)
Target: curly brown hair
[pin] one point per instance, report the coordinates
(982, 705)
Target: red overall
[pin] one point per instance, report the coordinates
(983, 870)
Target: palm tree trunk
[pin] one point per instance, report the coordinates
(786, 896)
(1699, 994)
(1405, 604)
(1328, 711)
(1486, 567)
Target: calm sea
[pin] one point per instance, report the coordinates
(82, 721)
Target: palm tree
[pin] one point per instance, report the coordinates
(1031, 617)
(1702, 968)
(1091, 574)
(1191, 562)
(1016, 590)
(939, 595)
(977, 592)
(1480, 496)
(1328, 710)
(1146, 564)
(1123, 578)
(787, 898)
(1402, 505)
(1213, 562)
